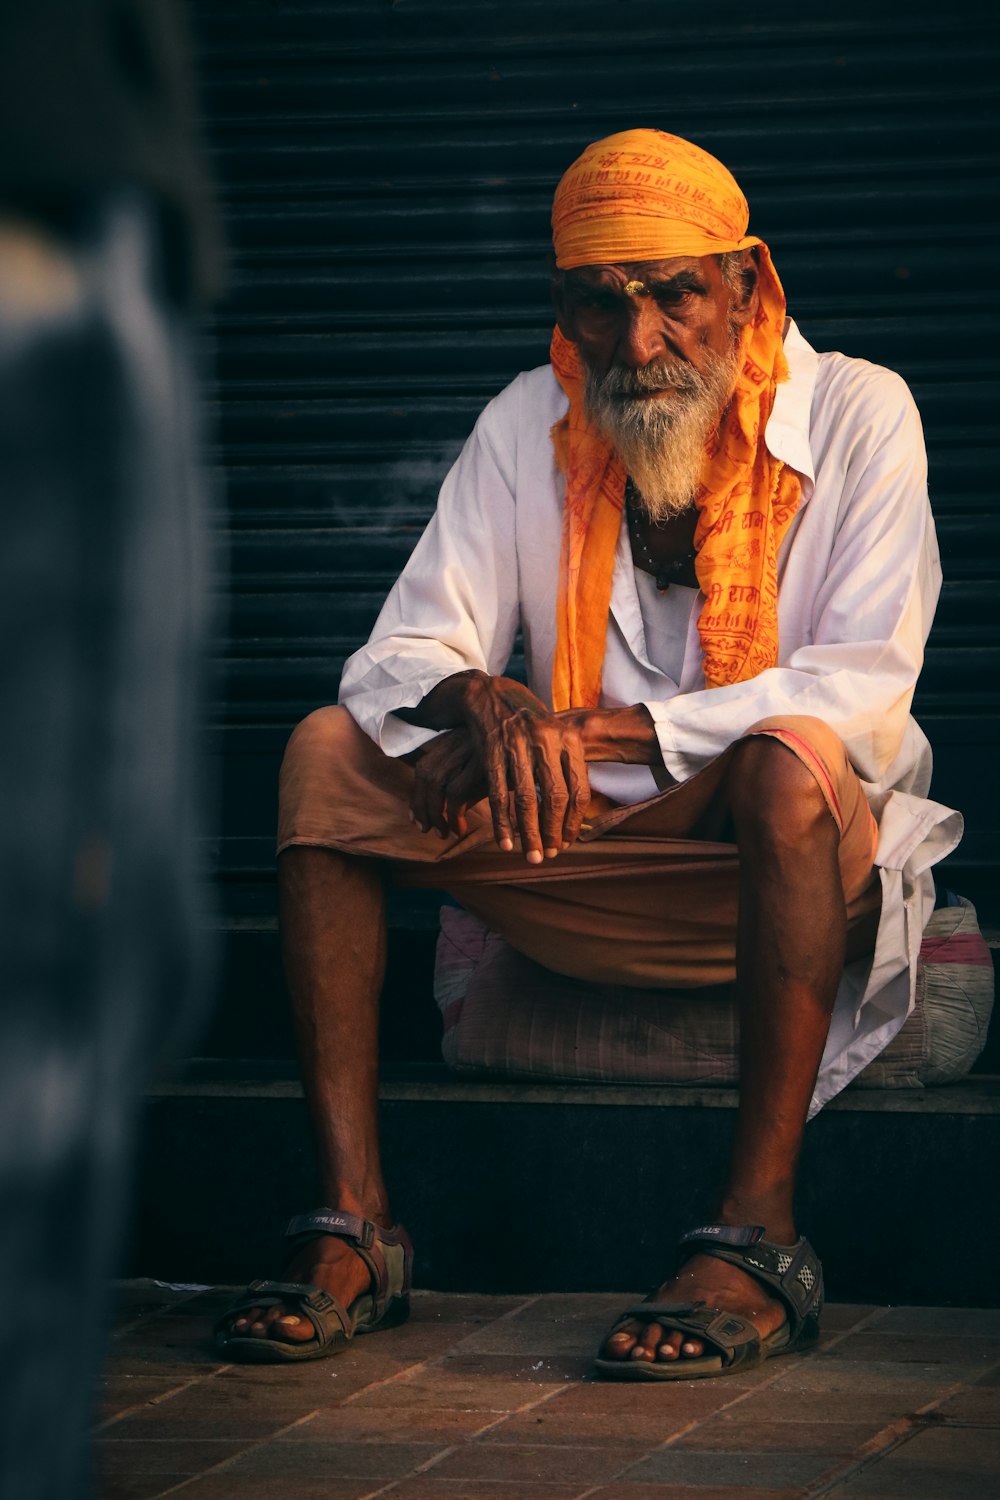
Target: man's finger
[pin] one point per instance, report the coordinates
(498, 790)
(433, 808)
(464, 788)
(550, 775)
(578, 786)
(418, 800)
(432, 774)
(521, 774)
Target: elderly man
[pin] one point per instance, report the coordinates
(718, 548)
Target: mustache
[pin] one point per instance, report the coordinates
(622, 384)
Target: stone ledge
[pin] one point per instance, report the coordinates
(209, 1078)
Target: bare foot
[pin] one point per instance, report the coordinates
(325, 1262)
(704, 1279)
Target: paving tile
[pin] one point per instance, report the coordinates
(585, 1307)
(141, 1299)
(172, 1340)
(951, 1322)
(321, 1381)
(972, 1354)
(321, 1460)
(886, 1481)
(883, 1482)
(623, 1429)
(229, 1413)
(225, 1486)
(655, 1404)
(626, 1491)
(935, 1464)
(426, 1340)
(969, 1448)
(440, 1386)
(459, 1307)
(880, 1406)
(401, 1424)
(544, 1368)
(738, 1433)
(579, 1338)
(135, 1486)
(912, 1383)
(977, 1405)
(537, 1463)
(777, 1470)
(121, 1393)
(840, 1315)
(115, 1456)
(432, 1487)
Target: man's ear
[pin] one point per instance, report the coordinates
(746, 294)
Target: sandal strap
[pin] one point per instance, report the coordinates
(368, 1239)
(792, 1272)
(308, 1299)
(333, 1222)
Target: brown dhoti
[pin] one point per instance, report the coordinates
(647, 896)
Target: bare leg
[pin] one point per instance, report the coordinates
(332, 912)
(790, 955)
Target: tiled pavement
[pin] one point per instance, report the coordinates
(490, 1397)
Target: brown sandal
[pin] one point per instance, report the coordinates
(388, 1255)
(792, 1273)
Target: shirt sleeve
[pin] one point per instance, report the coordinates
(454, 606)
(870, 619)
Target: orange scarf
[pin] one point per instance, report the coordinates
(642, 195)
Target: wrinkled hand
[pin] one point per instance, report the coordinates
(448, 779)
(528, 761)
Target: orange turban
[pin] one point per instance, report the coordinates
(644, 195)
(636, 196)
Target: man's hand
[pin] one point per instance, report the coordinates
(508, 746)
(531, 763)
(448, 779)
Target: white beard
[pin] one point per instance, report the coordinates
(661, 442)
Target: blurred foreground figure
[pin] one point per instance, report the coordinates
(102, 257)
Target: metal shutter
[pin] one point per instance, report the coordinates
(386, 169)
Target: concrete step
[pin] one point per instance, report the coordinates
(509, 1187)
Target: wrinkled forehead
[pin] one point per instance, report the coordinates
(635, 276)
(643, 195)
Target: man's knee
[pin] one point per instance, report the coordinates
(775, 787)
(327, 735)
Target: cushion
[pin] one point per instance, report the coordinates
(505, 1015)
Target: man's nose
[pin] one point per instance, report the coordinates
(642, 339)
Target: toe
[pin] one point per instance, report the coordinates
(649, 1341)
(619, 1345)
(292, 1329)
(243, 1321)
(670, 1346)
(692, 1348)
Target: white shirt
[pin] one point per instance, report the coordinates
(858, 580)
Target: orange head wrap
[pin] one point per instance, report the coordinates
(643, 195)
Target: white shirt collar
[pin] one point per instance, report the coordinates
(787, 431)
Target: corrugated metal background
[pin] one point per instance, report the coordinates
(386, 172)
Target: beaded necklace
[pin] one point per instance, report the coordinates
(665, 573)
